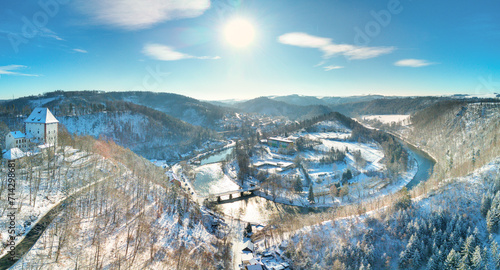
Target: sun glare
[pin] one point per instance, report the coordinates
(239, 33)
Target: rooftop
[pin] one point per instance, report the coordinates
(14, 153)
(41, 115)
(17, 134)
(280, 140)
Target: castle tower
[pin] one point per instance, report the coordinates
(42, 126)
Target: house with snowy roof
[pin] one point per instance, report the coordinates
(16, 139)
(41, 128)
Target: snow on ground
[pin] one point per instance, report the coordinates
(389, 118)
(211, 180)
(256, 210)
(42, 101)
(98, 123)
(328, 135)
(370, 152)
(48, 195)
(324, 175)
(337, 230)
(175, 232)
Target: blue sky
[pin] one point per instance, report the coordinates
(322, 48)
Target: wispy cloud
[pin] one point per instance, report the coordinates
(166, 53)
(330, 49)
(133, 14)
(46, 32)
(80, 50)
(12, 70)
(328, 68)
(413, 63)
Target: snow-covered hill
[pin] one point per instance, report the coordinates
(462, 136)
(145, 135)
(132, 217)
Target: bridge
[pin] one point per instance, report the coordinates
(218, 196)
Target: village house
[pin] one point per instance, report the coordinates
(279, 142)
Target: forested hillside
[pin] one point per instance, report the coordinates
(65, 103)
(129, 217)
(462, 136)
(297, 107)
(401, 105)
(267, 106)
(148, 132)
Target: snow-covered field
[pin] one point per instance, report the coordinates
(404, 119)
(211, 180)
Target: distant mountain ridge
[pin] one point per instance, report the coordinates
(288, 106)
(326, 101)
(147, 131)
(188, 109)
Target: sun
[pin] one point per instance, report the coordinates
(239, 33)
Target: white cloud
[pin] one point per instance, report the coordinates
(11, 70)
(330, 49)
(368, 52)
(304, 40)
(166, 53)
(328, 68)
(133, 14)
(413, 63)
(46, 32)
(320, 63)
(80, 50)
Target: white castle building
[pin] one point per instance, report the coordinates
(41, 128)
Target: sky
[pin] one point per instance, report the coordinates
(195, 48)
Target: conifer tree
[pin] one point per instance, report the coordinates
(477, 260)
(468, 250)
(452, 260)
(492, 220)
(310, 196)
(433, 264)
(485, 204)
(495, 255)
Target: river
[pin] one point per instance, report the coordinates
(254, 209)
(217, 157)
(425, 166)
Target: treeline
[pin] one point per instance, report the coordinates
(405, 105)
(298, 125)
(69, 103)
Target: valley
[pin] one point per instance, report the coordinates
(313, 176)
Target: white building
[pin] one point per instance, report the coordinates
(16, 139)
(41, 128)
(42, 125)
